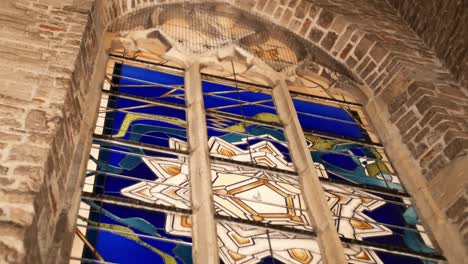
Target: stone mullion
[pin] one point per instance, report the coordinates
(205, 246)
(330, 245)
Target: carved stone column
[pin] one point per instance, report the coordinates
(205, 246)
(330, 245)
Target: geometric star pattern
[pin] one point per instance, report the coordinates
(256, 195)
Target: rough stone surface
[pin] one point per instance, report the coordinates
(47, 55)
(442, 25)
(49, 50)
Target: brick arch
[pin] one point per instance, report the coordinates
(419, 109)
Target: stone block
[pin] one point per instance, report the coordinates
(433, 152)
(28, 178)
(378, 52)
(325, 19)
(36, 120)
(456, 148)
(363, 47)
(315, 35)
(345, 51)
(407, 121)
(329, 40)
(302, 9)
(28, 154)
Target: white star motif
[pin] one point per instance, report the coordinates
(253, 194)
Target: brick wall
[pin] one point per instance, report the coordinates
(49, 50)
(443, 27)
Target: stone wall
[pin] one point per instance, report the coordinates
(443, 26)
(51, 70)
(47, 53)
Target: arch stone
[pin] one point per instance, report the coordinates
(52, 86)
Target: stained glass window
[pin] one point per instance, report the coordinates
(136, 202)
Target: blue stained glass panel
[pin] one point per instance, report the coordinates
(147, 83)
(131, 235)
(353, 163)
(249, 102)
(329, 120)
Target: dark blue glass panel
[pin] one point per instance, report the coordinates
(161, 86)
(124, 242)
(326, 119)
(253, 103)
(354, 163)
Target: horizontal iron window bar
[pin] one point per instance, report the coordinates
(244, 103)
(120, 176)
(296, 185)
(251, 165)
(367, 187)
(114, 98)
(248, 136)
(376, 198)
(87, 260)
(123, 233)
(129, 153)
(292, 174)
(103, 110)
(149, 65)
(258, 201)
(136, 204)
(129, 133)
(135, 144)
(116, 110)
(281, 228)
(240, 103)
(154, 84)
(216, 109)
(392, 249)
(343, 175)
(289, 176)
(348, 155)
(338, 217)
(143, 99)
